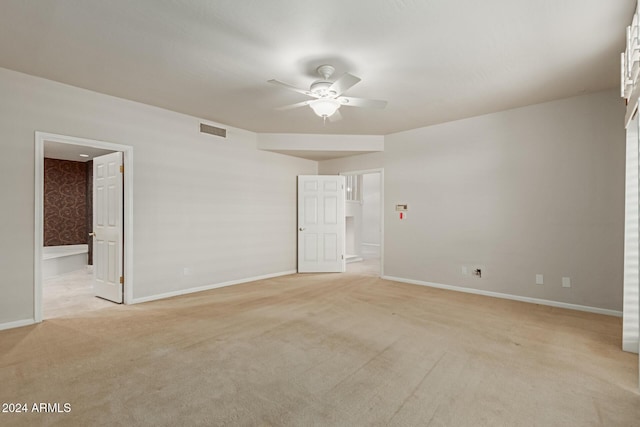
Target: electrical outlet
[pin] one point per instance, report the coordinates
(539, 279)
(566, 282)
(463, 270)
(186, 271)
(477, 270)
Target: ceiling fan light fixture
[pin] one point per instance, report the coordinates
(328, 96)
(325, 107)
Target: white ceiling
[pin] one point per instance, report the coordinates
(60, 151)
(432, 60)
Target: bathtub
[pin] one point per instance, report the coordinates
(58, 260)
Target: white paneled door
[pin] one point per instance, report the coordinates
(107, 227)
(321, 224)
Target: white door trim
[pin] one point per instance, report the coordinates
(40, 138)
(381, 172)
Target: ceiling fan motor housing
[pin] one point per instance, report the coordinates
(321, 88)
(325, 71)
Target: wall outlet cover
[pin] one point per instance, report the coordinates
(473, 271)
(539, 279)
(566, 282)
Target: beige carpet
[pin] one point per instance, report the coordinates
(325, 350)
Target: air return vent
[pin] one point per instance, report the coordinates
(212, 130)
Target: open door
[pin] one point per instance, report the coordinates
(107, 227)
(321, 224)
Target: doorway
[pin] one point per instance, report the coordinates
(65, 281)
(364, 221)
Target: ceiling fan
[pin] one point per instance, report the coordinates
(328, 94)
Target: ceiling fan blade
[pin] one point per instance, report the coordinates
(292, 106)
(335, 116)
(361, 102)
(344, 83)
(290, 87)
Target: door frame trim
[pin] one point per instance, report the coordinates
(381, 172)
(127, 150)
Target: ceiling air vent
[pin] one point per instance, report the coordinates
(212, 130)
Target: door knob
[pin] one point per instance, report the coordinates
(301, 228)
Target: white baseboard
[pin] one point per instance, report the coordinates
(209, 287)
(511, 297)
(16, 324)
(630, 345)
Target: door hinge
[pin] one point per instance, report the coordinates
(121, 168)
(122, 280)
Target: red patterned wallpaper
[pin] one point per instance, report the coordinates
(65, 202)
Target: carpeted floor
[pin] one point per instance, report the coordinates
(325, 350)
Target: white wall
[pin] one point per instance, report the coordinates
(320, 142)
(371, 208)
(353, 236)
(351, 164)
(631, 247)
(534, 190)
(219, 207)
